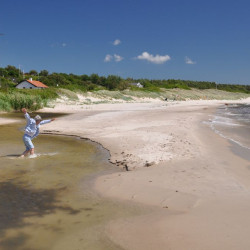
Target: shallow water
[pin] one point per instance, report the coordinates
(46, 202)
(232, 122)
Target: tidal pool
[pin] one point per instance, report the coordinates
(47, 202)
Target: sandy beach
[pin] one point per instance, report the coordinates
(195, 189)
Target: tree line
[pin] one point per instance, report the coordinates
(10, 76)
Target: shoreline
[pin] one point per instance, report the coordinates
(94, 116)
(196, 187)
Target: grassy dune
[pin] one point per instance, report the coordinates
(207, 94)
(36, 99)
(104, 96)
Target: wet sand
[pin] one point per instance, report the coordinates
(197, 188)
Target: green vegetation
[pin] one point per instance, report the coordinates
(15, 99)
(114, 87)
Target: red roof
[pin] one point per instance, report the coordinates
(37, 84)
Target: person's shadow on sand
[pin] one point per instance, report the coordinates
(12, 155)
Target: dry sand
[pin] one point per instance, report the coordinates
(196, 189)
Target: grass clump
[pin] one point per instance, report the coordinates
(4, 106)
(117, 95)
(68, 93)
(15, 99)
(44, 94)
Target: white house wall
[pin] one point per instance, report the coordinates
(26, 85)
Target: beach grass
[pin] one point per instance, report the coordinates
(206, 94)
(14, 99)
(166, 94)
(71, 95)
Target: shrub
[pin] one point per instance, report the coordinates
(44, 94)
(4, 106)
(16, 101)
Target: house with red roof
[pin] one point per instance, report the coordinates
(31, 84)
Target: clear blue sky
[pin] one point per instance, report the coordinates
(155, 39)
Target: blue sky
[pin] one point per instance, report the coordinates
(155, 39)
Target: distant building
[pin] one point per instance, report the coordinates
(30, 84)
(136, 84)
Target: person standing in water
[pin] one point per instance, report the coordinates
(32, 131)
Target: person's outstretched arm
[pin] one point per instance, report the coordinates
(26, 115)
(47, 121)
